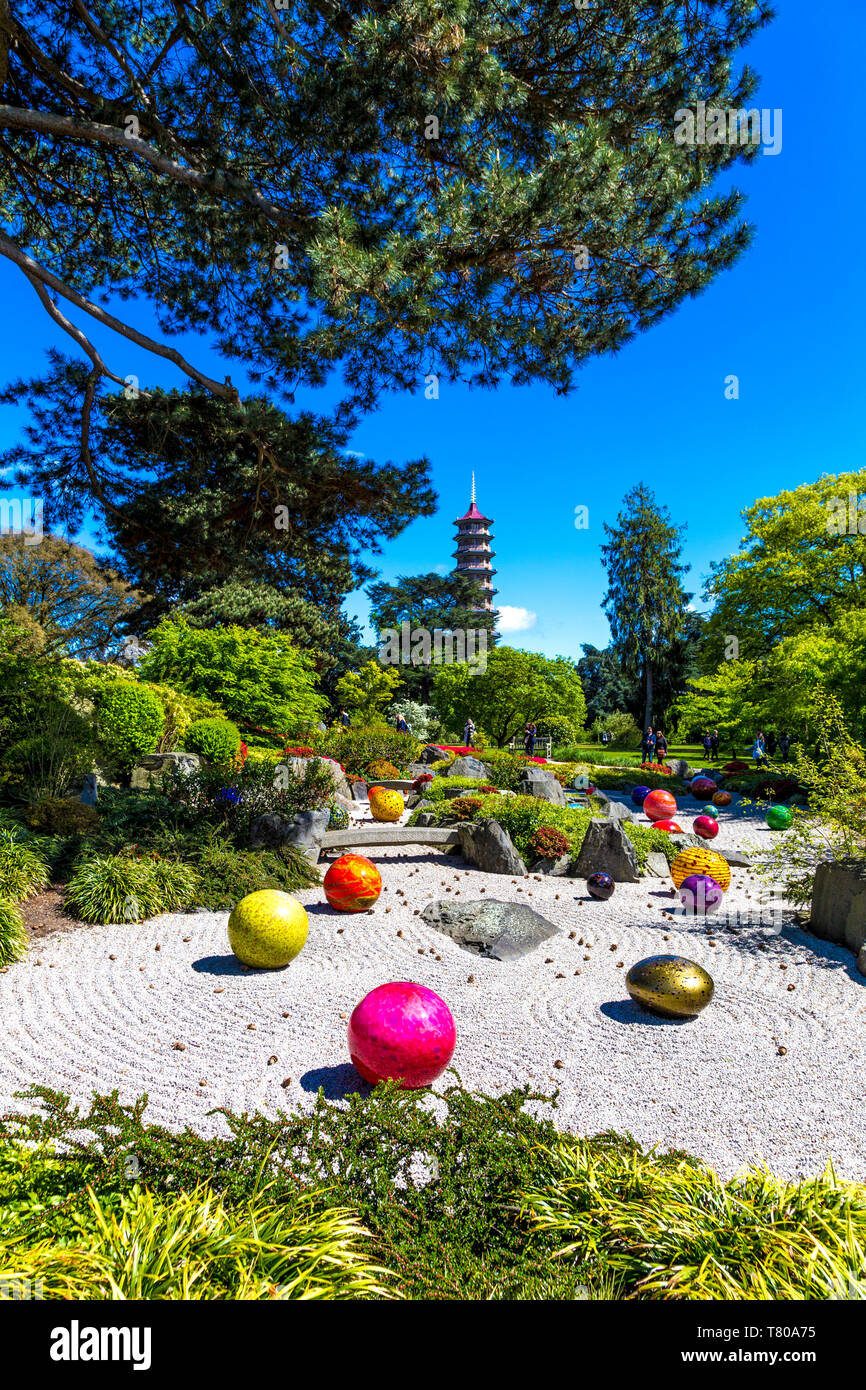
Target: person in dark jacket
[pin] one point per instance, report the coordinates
(344, 719)
(661, 747)
(529, 740)
(648, 744)
(714, 744)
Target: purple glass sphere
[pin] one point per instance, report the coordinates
(600, 885)
(639, 795)
(700, 894)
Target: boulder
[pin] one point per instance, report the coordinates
(557, 868)
(497, 930)
(305, 830)
(734, 857)
(680, 768)
(468, 767)
(617, 810)
(154, 766)
(488, 846)
(687, 841)
(431, 754)
(536, 781)
(359, 791)
(656, 865)
(606, 849)
(418, 770)
(839, 904)
(425, 819)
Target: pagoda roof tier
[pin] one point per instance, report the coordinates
(473, 515)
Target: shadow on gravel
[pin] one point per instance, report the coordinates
(627, 1011)
(228, 965)
(336, 1082)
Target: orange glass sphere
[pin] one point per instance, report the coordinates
(352, 884)
(722, 799)
(660, 805)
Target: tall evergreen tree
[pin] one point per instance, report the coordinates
(606, 686)
(448, 602)
(645, 601)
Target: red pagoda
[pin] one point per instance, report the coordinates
(473, 553)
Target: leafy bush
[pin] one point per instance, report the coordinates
(237, 799)
(547, 843)
(218, 740)
(131, 720)
(623, 730)
(227, 874)
(356, 748)
(505, 768)
(672, 1229)
(380, 768)
(13, 937)
(124, 888)
(465, 807)
(61, 816)
(42, 764)
(438, 789)
(23, 870)
(556, 727)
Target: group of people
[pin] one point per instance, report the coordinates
(654, 745)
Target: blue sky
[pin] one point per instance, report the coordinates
(786, 320)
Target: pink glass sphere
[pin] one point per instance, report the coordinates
(402, 1032)
(706, 827)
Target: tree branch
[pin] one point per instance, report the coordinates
(35, 271)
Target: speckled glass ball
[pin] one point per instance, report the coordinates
(386, 805)
(639, 795)
(722, 799)
(352, 883)
(339, 818)
(600, 886)
(709, 810)
(670, 985)
(779, 817)
(705, 826)
(700, 894)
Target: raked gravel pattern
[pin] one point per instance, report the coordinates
(164, 1007)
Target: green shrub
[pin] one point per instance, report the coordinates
(506, 769)
(673, 1229)
(227, 874)
(13, 937)
(356, 748)
(647, 840)
(44, 763)
(381, 768)
(465, 807)
(64, 815)
(547, 843)
(131, 721)
(438, 789)
(218, 740)
(235, 799)
(123, 888)
(23, 870)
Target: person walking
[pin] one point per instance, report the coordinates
(468, 732)
(401, 725)
(708, 745)
(605, 738)
(529, 740)
(661, 751)
(784, 745)
(714, 745)
(648, 744)
(758, 748)
(344, 719)
(771, 744)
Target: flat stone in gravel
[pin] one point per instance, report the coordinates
(498, 930)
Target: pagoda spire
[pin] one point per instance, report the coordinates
(472, 498)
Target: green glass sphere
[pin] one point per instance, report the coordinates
(670, 985)
(779, 817)
(708, 810)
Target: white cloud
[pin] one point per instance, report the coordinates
(442, 569)
(516, 619)
(353, 453)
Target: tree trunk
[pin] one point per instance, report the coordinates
(648, 710)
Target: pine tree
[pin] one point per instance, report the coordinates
(645, 602)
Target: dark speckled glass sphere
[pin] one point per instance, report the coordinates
(600, 886)
(670, 985)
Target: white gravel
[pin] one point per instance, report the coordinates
(102, 1007)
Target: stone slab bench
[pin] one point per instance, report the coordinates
(389, 835)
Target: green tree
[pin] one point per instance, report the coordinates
(379, 187)
(82, 606)
(801, 565)
(369, 690)
(515, 687)
(606, 686)
(447, 603)
(645, 602)
(259, 678)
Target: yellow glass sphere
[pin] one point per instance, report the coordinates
(701, 861)
(267, 929)
(386, 805)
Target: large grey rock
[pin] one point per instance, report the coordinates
(425, 819)
(861, 959)
(359, 791)
(687, 841)
(305, 830)
(538, 782)
(607, 849)
(500, 931)
(154, 766)
(734, 857)
(680, 768)
(467, 767)
(431, 754)
(839, 904)
(656, 865)
(617, 810)
(488, 846)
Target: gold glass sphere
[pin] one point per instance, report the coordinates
(670, 985)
